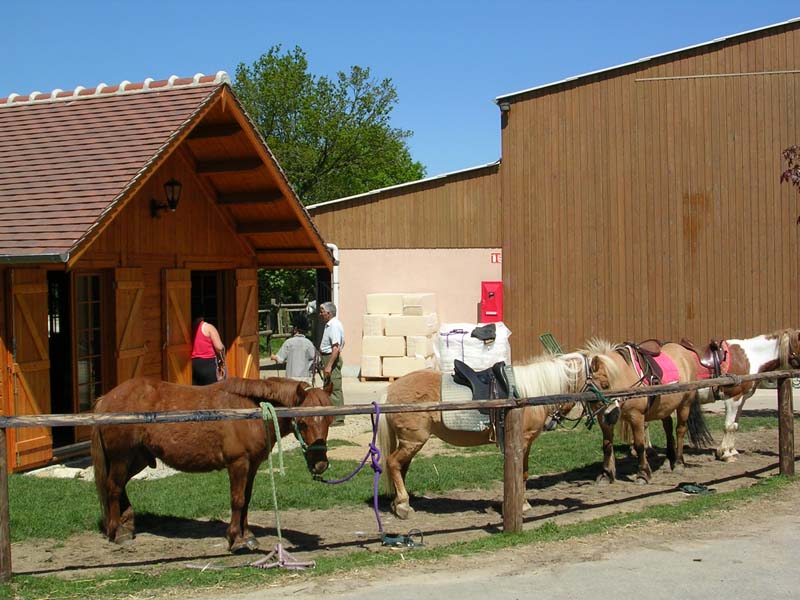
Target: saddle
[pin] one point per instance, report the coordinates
(711, 356)
(645, 353)
(489, 384)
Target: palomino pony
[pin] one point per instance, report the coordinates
(745, 357)
(120, 451)
(402, 435)
(612, 368)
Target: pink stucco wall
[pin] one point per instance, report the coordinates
(454, 275)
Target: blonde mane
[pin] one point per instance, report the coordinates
(602, 350)
(548, 374)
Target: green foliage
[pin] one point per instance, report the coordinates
(287, 286)
(331, 136)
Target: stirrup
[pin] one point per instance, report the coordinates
(404, 541)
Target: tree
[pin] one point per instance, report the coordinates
(792, 173)
(332, 137)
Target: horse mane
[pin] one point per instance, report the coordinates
(548, 374)
(596, 346)
(788, 340)
(278, 390)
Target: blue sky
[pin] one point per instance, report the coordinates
(447, 59)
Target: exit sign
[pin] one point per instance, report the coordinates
(496, 258)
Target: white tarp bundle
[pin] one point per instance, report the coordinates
(454, 341)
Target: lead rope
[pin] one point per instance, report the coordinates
(278, 557)
(374, 453)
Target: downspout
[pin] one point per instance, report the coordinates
(335, 276)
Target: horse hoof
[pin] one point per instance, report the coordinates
(678, 468)
(403, 511)
(252, 543)
(526, 506)
(641, 480)
(123, 537)
(604, 479)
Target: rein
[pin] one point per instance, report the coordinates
(375, 454)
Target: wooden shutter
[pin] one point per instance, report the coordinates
(30, 372)
(246, 345)
(129, 326)
(177, 295)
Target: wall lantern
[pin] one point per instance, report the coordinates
(172, 189)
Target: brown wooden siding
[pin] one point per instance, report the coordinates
(196, 236)
(458, 211)
(638, 207)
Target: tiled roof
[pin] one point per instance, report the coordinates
(66, 157)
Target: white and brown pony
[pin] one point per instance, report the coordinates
(402, 435)
(614, 367)
(745, 357)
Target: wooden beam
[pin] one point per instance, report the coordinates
(278, 251)
(228, 166)
(269, 227)
(250, 197)
(5, 513)
(513, 487)
(219, 130)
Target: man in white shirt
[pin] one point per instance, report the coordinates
(331, 349)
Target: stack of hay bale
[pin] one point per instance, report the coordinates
(398, 334)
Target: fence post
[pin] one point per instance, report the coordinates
(513, 488)
(5, 518)
(785, 423)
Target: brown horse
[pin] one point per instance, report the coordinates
(747, 357)
(402, 435)
(613, 368)
(120, 451)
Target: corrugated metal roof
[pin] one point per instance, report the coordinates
(67, 157)
(610, 70)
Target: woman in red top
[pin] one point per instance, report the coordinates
(206, 348)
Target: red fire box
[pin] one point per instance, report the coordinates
(491, 301)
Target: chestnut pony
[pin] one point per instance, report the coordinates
(402, 435)
(612, 369)
(121, 451)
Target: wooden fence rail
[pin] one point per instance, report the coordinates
(513, 491)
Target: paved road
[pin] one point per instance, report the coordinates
(756, 562)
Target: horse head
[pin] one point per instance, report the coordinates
(790, 348)
(312, 432)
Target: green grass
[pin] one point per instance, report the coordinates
(122, 584)
(55, 509)
(72, 505)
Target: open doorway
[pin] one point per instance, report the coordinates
(59, 341)
(207, 298)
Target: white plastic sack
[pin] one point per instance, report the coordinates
(454, 341)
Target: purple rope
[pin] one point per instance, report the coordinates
(375, 454)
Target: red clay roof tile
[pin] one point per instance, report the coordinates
(66, 156)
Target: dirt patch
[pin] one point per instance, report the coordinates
(456, 516)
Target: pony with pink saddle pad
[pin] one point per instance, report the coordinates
(625, 366)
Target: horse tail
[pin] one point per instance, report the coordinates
(387, 443)
(100, 473)
(699, 434)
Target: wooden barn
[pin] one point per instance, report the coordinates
(638, 201)
(441, 235)
(125, 212)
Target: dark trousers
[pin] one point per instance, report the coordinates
(204, 371)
